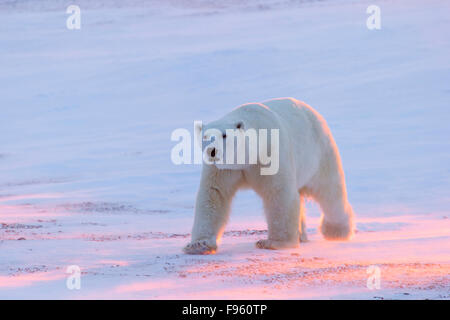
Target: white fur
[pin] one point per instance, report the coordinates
(309, 165)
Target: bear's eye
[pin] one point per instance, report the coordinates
(224, 135)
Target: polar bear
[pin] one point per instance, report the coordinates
(309, 166)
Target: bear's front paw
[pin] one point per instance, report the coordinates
(264, 244)
(200, 247)
(273, 244)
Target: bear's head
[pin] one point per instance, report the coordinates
(240, 139)
(219, 136)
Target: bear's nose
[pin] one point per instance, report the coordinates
(213, 152)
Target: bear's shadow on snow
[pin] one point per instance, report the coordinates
(379, 226)
(108, 207)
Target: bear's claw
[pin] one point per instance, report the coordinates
(199, 247)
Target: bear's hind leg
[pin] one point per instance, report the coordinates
(337, 218)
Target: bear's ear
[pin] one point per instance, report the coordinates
(240, 125)
(198, 126)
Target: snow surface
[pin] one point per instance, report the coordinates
(85, 123)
